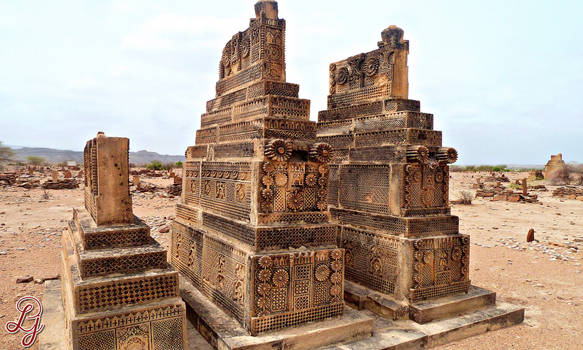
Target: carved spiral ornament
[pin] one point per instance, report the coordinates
(418, 154)
(279, 150)
(448, 155)
(265, 262)
(321, 152)
(342, 76)
(264, 288)
(322, 273)
(280, 278)
(295, 201)
(311, 180)
(371, 66)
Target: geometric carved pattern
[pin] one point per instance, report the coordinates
(284, 238)
(99, 340)
(371, 259)
(440, 263)
(365, 187)
(426, 186)
(293, 187)
(123, 264)
(116, 238)
(216, 269)
(155, 328)
(191, 182)
(93, 298)
(296, 281)
(225, 188)
(167, 335)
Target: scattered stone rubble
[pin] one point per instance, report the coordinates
(68, 184)
(498, 192)
(7, 178)
(569, 192)
(565, 251)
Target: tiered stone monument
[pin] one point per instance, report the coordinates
(252, 231)
(118, 290)
(556, 171)
(388, 192)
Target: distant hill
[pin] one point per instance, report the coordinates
(58, 156)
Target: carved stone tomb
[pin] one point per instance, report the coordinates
(252, 231)
(389, 184)
(118, 290)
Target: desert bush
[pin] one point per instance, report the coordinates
(6, 154)
(154, 165)
(179, 164)
(35, 160)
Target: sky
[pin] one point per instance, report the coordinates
(504, 79)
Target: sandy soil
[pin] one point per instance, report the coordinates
(545, 277)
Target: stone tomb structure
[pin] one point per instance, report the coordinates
(556, 171)
(388, 191)
(118, 290)
(251, 232)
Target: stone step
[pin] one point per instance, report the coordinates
(121, 260)
(114, 236)
(368, 109)
(364, 298)
(261, 126)
(407, 334)
(386, 121)
(111, 292)
(430, 310)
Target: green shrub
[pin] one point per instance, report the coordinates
(179, 164)
(35, 160)
(6, 153)
(154, 165)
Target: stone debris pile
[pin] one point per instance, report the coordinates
(569, 192)
(498, 192)
(68, 184)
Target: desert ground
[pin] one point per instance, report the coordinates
(543, 276)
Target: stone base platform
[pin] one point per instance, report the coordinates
(429, 323)
(155, 325)
(223, 332)
(421, 312)
(354, 327)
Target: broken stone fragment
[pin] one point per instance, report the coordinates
(24, 279)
